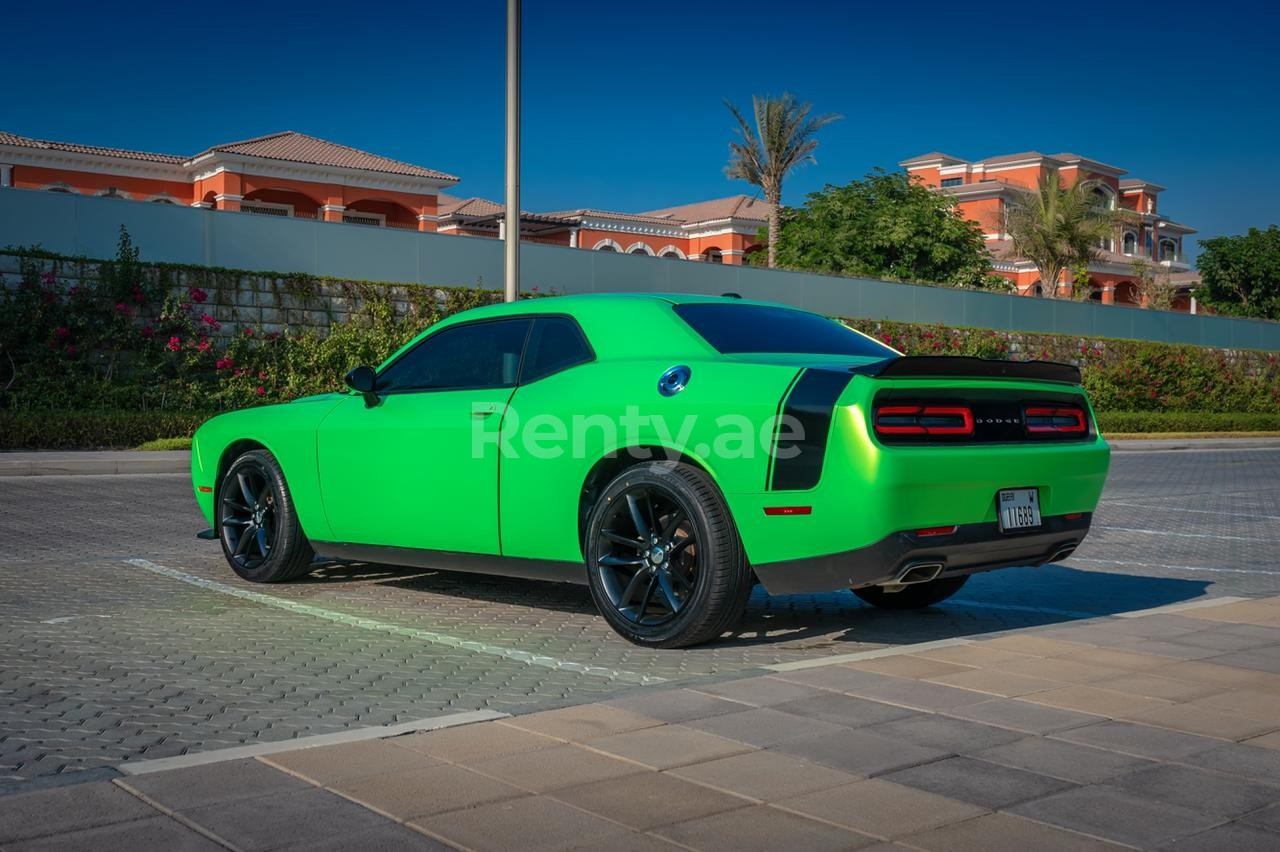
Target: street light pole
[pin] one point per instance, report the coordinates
(511, 218)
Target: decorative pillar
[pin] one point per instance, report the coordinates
(230, 203)
(332, 212)
(573, 238)
(1108, 294)
(426, 222)
(6, 175)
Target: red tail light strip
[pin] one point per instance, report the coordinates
(1056, 419)
(788, 510)
(924, 420)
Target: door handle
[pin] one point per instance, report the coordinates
(484, 409)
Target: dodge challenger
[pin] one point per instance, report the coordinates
(668, 451)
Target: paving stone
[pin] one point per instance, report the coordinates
(1036, 646)
(158, 832)
(1207, 722)
(554, 768)
(838, 678)
(196, 786)
(846, 710)
(1139, 740)
(980, 654)
(920, 695)
(576, 724)
(1104, 813)
(1271, 740)
(881, 808)
(1207, 672)
(1153, 686)
(1252, 703)
(533, 823)
(1069, 761)
(405, 795)
(674, 705)
(1211, 792)
(63, 809)
(1268, 818)
(1005, 833)
(1021, 716)
(1260, 764)
(667, 747)
(387, 837)
(326, 764)
(978, 782)
(957, 736)
(633, 842)
(994, 682)
(909, 666)
(304, 816)
(473, 742)
(649, 799)
(1066, 669)
(1234, 836)
(761, 726)
(859, 752)
(1091, 699)
(764, 775)
(761, 691)
(765, 829)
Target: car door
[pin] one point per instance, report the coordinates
(420, 468)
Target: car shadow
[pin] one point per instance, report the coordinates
(999, 600)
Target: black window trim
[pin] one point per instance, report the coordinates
(524, 351)
(591, 350)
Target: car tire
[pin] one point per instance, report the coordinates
(257, 523)
(664, 561)
(914, 596)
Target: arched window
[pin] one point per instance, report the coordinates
(1105, 198)
(1130, 242)
(639, 248)
(713, 255)
(607, 245)
(1168, 249)
(671, 251)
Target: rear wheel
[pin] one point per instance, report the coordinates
(664, 560)
(257, 523)
(914, 596)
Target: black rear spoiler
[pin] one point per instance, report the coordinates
(964, 367)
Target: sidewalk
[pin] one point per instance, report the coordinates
(54, 463)
(1140, 730)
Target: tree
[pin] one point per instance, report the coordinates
(781, 140)
(1241, 274)
(1155, 290)
(1058, 226)
(886, 225)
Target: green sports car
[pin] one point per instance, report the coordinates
(669, 451)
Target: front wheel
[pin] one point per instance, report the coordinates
(666, 567)
(257, 523)
(914, 596)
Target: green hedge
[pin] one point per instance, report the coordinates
(1187, 421)
(85, 430)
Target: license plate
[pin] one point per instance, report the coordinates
(1019, 509)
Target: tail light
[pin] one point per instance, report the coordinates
(1061, 420)
(924, 420)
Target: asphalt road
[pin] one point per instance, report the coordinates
(122, 637)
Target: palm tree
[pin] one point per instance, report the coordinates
(781, 140)
(1059, 226)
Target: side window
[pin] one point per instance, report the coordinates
(476, 355)
(556, 344)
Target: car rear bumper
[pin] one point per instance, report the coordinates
(970, 549)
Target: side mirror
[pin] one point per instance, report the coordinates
(363, 380)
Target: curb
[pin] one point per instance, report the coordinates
(89, 463)
(1149, 444)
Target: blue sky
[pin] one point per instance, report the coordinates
(623, 100)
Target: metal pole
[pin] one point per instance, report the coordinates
(511, 238)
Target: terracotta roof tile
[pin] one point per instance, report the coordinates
(72, 147)
(301, 148)
(733, 207)
(932, 155)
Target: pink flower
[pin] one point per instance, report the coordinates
(122, 309)
(197, 295)
(175, 343)
(262, 375)
(62, 332)
(48, 278)
(275, 335)
(137, 294)
(261, 391)
(208, 320)
(248, 332)
(204, 346)
(148, 331)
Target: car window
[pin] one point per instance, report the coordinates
(555, 344)
(475, 355)
(762, 328)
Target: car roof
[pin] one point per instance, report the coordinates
(596, 301)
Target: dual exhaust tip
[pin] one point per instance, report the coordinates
(918, 572)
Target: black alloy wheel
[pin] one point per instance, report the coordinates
(648, 555)
(257, 524)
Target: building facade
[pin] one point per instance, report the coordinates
(294, 175)
(983, 190)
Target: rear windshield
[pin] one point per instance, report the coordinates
(734, 328)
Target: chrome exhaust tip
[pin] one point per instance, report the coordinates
(919, 572)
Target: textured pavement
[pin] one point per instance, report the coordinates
(1173, 746)
(122, 638)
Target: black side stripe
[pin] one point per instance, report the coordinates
(797, 464)
(777, 420)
